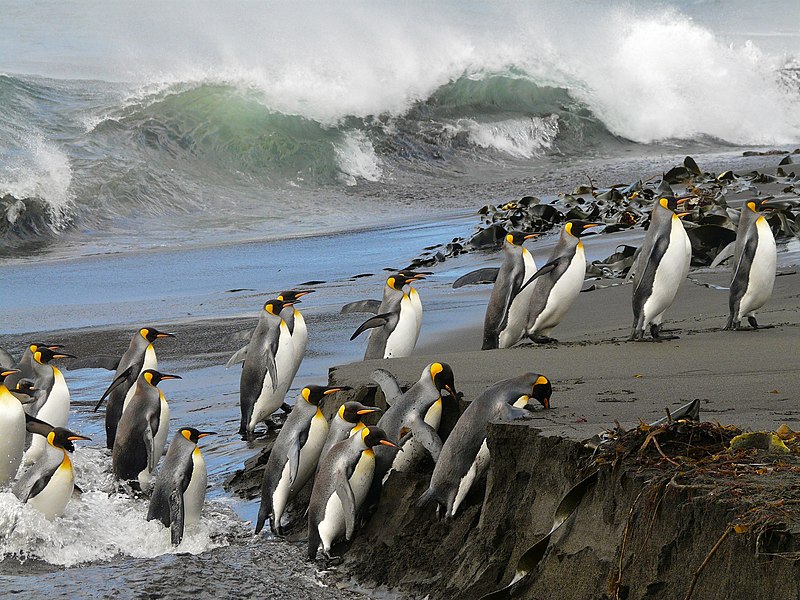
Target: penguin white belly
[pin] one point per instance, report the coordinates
(12, 436)
(402, 339)
(270, 400)
(517, 318)
(54, 411)
(475, 471)
(299, 343)
(309, 453)
(160, 438)
(150, 362)
(195, 495)
(416, 304)
(562, 294)
(761, 277)
(332, 526)
(413, 451)
(53, 499)
(671, 272)
(280, 497)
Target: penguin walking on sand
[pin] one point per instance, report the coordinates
(344, 478)
(180, 488)
(139, 357)
(660, 269)
(755, 259)
(346, 422)
(294, 455)
(267, 367)
(12, 431)
(49, 483)
(395, 327)
(465, 455)
(557, 284)
(507, 312)
(142, 431)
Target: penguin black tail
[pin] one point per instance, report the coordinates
(313, 541)
(263, 513)
(425, 499)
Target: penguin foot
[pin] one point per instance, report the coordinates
(655, 332)
(754, 324)
(542, 339)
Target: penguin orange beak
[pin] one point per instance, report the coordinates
(64, 355)
(590, 225)
(367, 411)
(75, 437)
(8, 372)
(164, 376)
(336, 389)
(683, 214)
(451, 391)
(530, 236)
(388, 443)
(162, 334)
(203, 434)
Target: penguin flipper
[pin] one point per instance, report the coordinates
(110, 363)
(551, 266)
(371, 323)
(294, 460)
(348, 500)
(362, 306)
(428, 437)
(176, 516)
(272, 367)
(149, 444)
(118, 381)
(388, 384)
(40, 483)
(723, 255)
(237, 357)
(486, 275)
(6, 360)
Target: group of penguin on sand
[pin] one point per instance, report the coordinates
(347, 460)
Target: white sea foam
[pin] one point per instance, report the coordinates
(357, 158)
(522, 138)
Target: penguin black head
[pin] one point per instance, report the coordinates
(668, 202)
(61, 437)
(516, 238)
(577, 228)
(542, 390)
(399, 280)
(373, 436)
(151, 334)
(34, 346)
(293, 296)
(44, 354)
(193, 435)
(275, 306)
(313, 394)
(442, 376)
(154, 377)
(5, 373)
(414, 275)
(353, 411)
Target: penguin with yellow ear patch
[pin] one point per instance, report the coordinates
(558, 283)
(294, 455)
(12, 431)
(180, 488)
(48, 485)
(755, 258)
(346, 422)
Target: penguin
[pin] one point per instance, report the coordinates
(465, 455)
(507, 311)
(294, 455)
(755, 258)
(346, 422)
(558, 283)
(139, 356)
(12, 431)
(661, 268)
(48, 485)
(27, 367)
(345, 476)
(413, 296)
(266, 369)
(405, 420)
(180, 488)
(394, 328)
(142, 431)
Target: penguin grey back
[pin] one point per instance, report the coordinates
(173, 478)
(133, 450)
(509, 281)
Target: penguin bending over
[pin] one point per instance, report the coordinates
(660, 269)
(48, 484)
(139, 357)
(180, 488)
(294, 455)
(465, 455)
(755, 259)
(345, 423)
(142, 431)
(12, 431)
(558, 283)
(345, 476)
(507, 312)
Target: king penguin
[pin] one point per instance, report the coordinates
(507, 311)
(180, 488)
(465, 455)
(413, 296)
(755, 258)
(346, 422)
(142, 431)
(12, 431)
(294, 455)
(139, 357)
(267, 367)
(344, 478)
(558, 283)
(661, 268)
(394, 329)
(48, 484)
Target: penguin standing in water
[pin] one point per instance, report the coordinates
(180, 488)
(394, 329)
(345, 476)
(139, 357)
(661, 268)
(12, 431)
(755, 259)
(48, 485)
(346, 422)
(142, 431)
(294, 455)
(507, 311)
(465, 455)
(558, 283)
(267, 367)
